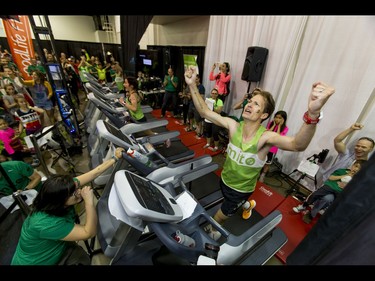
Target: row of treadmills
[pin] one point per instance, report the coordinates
(142, 208)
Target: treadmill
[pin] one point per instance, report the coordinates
(140, 205)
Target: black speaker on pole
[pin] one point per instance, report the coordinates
(255, 61)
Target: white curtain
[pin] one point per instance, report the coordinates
(338, 50)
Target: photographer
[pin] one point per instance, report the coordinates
(222, 79)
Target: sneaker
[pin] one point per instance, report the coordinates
(246, 213)
(307, 218)
(213, 234)
(299, 208)
(322, 211)
(168, 143)
(214, 149)
(206, 145)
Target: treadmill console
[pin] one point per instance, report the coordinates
(145, 199)
(115, 135)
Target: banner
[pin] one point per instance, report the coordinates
(191, 60)
(20, 42)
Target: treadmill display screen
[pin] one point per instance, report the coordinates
(148, 195)
(117, 133)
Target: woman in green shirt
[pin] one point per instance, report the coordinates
(50, 232)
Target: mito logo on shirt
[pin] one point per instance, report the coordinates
(242, 158)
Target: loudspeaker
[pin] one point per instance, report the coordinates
(255, 61)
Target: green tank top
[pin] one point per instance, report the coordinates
(242, 165)
(138, 114)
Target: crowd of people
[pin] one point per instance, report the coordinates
(50, 231)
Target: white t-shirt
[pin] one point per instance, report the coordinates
(210, 103)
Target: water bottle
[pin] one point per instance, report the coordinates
(184, 239)
(140, 157)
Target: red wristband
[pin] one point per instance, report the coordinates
(307, 119)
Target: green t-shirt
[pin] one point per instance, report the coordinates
(40, 240)
(19, 173)
(138, 114)
(170, 87)
(334, 183)
(242, 165)
(31, 68)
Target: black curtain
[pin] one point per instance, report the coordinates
(132, 30)
(173, 56)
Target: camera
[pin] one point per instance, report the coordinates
(323, 155)
(320, 158)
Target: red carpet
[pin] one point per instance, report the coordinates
(266, 198)
(190, 139)
(293, 226)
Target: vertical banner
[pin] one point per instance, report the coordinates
(191, 60)
(20, 42)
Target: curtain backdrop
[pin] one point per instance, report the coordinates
(338, 50)
(132, 30)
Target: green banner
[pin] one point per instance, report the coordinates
(190, 60)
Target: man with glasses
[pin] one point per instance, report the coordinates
(346, 157)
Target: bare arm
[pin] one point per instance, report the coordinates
(37, 109)
(203, 109)
(319, 95)
(133, 101)
(94, 173)
(35, 179)
(338, 140)
(212, 76)
(89, 229)
(9, 105)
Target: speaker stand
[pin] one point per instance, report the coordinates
(248, 87)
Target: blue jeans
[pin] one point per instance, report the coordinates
(321, 199)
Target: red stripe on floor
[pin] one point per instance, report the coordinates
(266, 198)
(293, 226)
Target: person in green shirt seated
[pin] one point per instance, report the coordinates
(49, 233)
